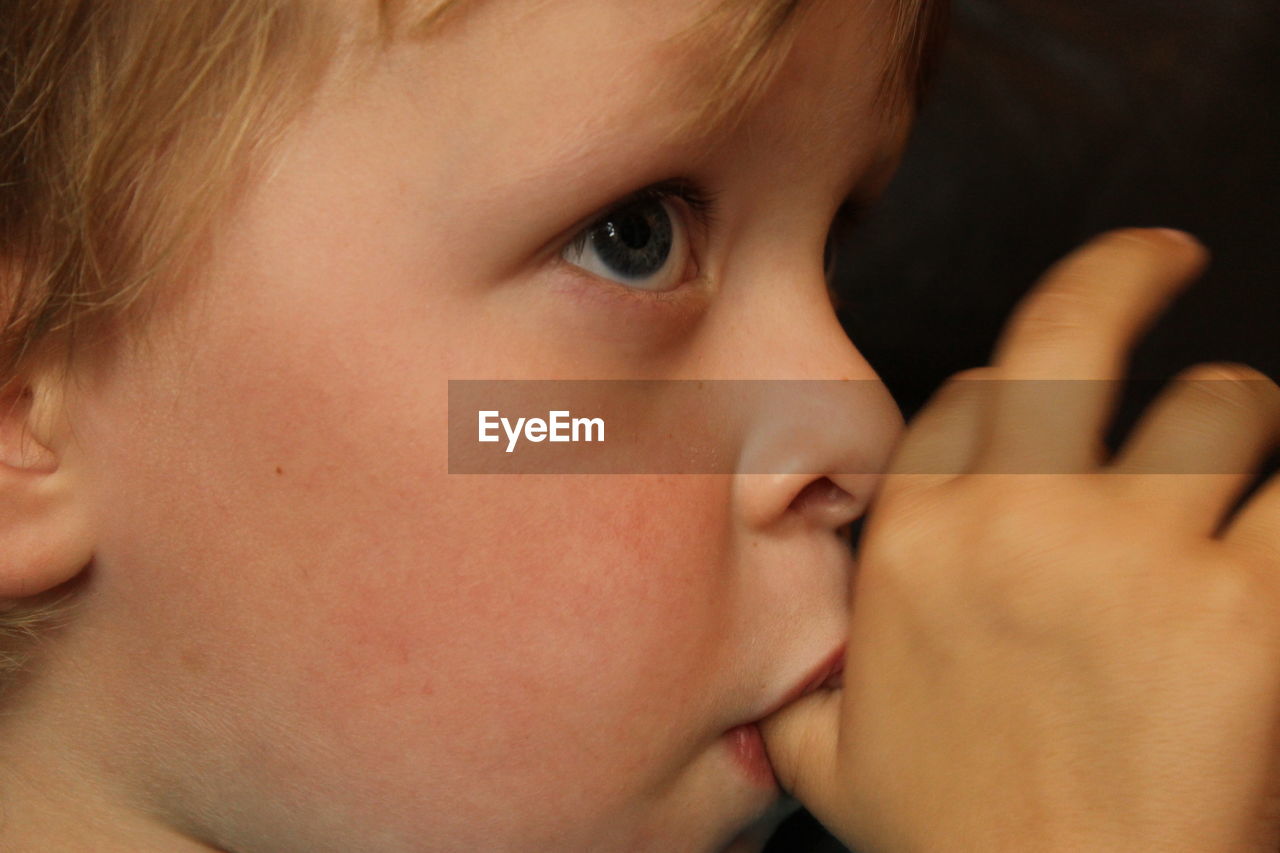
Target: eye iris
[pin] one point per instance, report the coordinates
(635, 242)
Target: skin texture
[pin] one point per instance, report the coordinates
(298, 632)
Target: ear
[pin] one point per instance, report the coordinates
(44, 531)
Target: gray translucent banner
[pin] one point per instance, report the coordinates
(829, 427)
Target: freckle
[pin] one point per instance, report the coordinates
(279, 470)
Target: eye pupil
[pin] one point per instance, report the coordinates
(637, 241)
(634, 231)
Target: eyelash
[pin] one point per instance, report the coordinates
(702, 204)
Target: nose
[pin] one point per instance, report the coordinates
(822, 425)
(817, 432)
(816, 447)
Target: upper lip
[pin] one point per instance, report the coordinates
(829, 672)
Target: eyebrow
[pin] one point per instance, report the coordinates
(749, 40)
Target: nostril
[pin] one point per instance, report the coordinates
(826, 504)
(820, 491)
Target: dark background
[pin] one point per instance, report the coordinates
(1051, 121)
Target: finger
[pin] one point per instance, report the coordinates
(940, 442)
(801, 741)
(1079, 324)
(1199, 445)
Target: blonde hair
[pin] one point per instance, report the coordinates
(759, 37)
(127, 127)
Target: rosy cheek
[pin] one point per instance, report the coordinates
(544, 562)
(536, 601)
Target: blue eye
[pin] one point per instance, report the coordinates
(643, 242)
(639, 245)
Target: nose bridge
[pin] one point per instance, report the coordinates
(780, 316)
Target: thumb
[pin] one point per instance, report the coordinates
(802, 742)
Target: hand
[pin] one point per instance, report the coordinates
(1081, 659)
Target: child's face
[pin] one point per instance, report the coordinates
(311, 637)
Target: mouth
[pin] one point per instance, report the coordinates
(746, 745)
(745, 741)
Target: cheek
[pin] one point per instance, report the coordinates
(537, 604)
(335, 576)
(539, 642)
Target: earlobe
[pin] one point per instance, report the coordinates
(44, 531)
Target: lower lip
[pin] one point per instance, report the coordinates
(747, 747)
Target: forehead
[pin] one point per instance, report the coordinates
(574, 77)
(741, 36)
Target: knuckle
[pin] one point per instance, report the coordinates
(1235, 600)
(901, 562)
(1018, 578)
(1039, 574)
